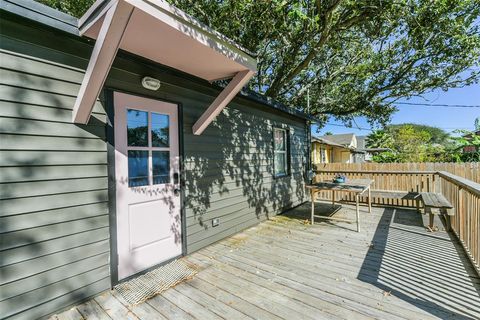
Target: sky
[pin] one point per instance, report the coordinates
(448, 119)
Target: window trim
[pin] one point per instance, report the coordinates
(286, 134)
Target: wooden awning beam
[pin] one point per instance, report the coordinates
(227, 94)
(104, 52)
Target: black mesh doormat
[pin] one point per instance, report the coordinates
(156, 281)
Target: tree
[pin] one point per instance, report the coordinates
(379, 139)
(75, 8)
(477, 124)
(410, 143)
(354, 57)
(467, 146)
(437, 135)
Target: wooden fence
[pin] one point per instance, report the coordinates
(462, 193)
(467, 170)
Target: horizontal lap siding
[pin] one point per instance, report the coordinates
(239, 188)
(54, 224)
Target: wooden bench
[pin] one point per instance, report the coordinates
(435, 203)
(403, 195)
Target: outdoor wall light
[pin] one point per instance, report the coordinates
(150, 83)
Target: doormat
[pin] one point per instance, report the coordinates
(154, 282)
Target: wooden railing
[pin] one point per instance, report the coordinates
(462, 193)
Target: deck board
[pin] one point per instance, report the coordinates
(287, 269)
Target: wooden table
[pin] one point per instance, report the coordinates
(357, 186)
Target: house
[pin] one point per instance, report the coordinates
(117, 152)
(368, 152)
(336, 148)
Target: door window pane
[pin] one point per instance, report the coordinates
(160, 128)
(137, 168)
(161, 167)
(137, 128)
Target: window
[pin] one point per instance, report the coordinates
(280, 152)
(148, 146)
(323, 155)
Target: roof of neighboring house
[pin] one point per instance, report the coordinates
(328, 142)
(341, 139)
(469, 135)
(47, 16)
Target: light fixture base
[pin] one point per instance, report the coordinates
(150, 83)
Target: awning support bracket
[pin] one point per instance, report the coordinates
(227, 94)
(104, 52)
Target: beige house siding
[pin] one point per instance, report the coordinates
(324, 153)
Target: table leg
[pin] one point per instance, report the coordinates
(369, 200)
(312, 195)
(333, 198)
(357, 198)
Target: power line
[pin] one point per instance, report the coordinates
(370, 129)
(344, 126)
(438, 105)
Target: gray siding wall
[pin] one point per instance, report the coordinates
(54, 223)
(229, 172)
(54, 219)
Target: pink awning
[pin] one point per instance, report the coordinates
(162, 33)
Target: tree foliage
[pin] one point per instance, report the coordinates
(437, 135)
(411, 143)
(75, 8)
(353, 57)
(466, 147)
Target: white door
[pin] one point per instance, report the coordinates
(147, 182)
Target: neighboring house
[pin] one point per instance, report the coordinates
(368, 152)
(115, 162)
(340, 148)
(471, 149)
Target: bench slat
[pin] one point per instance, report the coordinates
(395, 194)
(435, 200)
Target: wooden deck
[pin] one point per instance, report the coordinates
(287, 269)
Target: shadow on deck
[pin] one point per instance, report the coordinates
(287, 269)
(428, 270)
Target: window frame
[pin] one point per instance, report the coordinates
(286, 152)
